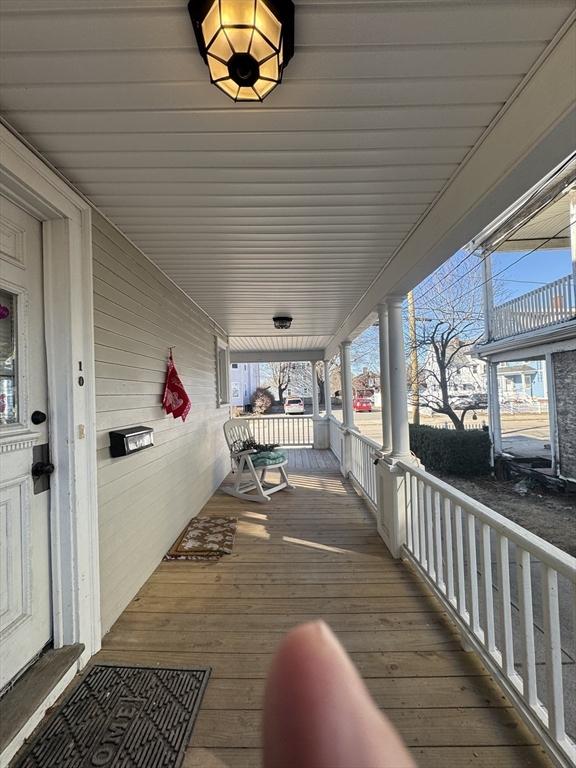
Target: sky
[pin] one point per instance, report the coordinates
(535, 269)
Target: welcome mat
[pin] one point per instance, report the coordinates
(205, 538)
(121, 717)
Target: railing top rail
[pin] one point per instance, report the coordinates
(530, 542)
(290, 416)
(534, 291)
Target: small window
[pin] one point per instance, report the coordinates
(222, 373)
(8, 362)
(234, 365)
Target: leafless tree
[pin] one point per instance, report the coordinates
(280, 376)
(449, 323)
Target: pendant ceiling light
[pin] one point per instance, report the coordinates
(245, 43)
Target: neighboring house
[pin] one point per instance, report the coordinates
(244, 379)
(530, 340)
(366, 384)
(467, 376)
(520, 380)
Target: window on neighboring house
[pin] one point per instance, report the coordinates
(222, 373)
(234, 365)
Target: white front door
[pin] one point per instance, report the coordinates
(25, 590)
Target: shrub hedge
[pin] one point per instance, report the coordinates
(452, 451)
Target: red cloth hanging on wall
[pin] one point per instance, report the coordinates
(175, 400)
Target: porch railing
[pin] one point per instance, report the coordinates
(282, 430)
(511, 593)
(361, 464)
(548, 305)
(335, 437)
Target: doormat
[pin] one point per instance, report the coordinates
(204, 538)
(121, 717)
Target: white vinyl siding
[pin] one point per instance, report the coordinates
(146, 499)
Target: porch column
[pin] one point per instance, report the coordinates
(315, 408)
(397, 373)
(488, 294)
(494, 407)
(385, 378)
(320, 425)
(347, 410)
(346, 376)
(391, 479)
(327, 395)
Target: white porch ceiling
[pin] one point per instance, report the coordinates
(293, 206)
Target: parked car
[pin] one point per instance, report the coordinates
(294, 405)
(362, 404)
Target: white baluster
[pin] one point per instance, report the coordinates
(486, 551)
(553, 646)
(527, 650)
(503, 565)
(473, 574)
(460, 581)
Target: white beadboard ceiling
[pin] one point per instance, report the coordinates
(292, 206)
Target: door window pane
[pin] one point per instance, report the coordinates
(8, 370)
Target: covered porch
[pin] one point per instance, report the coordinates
(170, 219)
(315, 553)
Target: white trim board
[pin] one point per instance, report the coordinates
(67, 253)
(556, 338)
(261, 356)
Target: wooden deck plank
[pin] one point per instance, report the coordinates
(460, 727)
(229, 622)
(395, 693)
(312, 606)
(433, 638)
(308, 554)
(390, 665)
(431, 757)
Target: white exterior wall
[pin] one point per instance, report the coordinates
(244, 379)
(146, 499)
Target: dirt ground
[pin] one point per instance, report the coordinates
(549, 515)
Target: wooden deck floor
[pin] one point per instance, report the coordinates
(308, 554)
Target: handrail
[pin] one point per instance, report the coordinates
(362, 468)
(546, 305)
(540, 548)
(284, 430)
(450, 538)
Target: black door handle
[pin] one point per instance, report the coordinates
(42, 468)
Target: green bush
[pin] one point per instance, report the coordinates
(452, 451)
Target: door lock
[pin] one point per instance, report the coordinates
(40, 468)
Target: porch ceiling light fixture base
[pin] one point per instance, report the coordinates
(245, 43)
(282, 322)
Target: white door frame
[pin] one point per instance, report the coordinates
(67, 258)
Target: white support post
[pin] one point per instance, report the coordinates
(398, 389)
(327, 395)
(347, 410)
(314, 384)
(385, 378)
(320, 425)
(494, 408)
(346, 376)
(393, 491)
(552, 418)
(488, 293)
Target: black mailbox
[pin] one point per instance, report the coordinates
(130, 440)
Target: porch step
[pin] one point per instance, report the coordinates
(19, 704)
